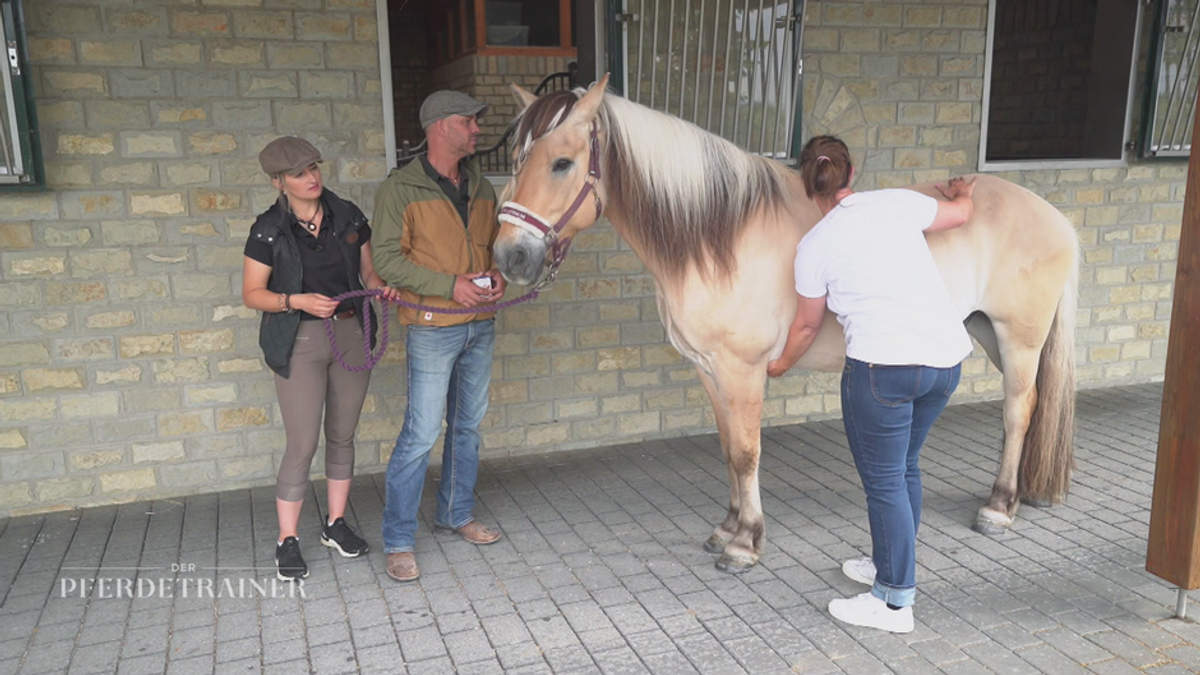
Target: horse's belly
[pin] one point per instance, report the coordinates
(963, 266)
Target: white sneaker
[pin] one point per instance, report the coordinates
(868, 610)
(861, 570)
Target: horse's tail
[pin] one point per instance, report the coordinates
(1048, 456)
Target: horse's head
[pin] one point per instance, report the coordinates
(555, 190)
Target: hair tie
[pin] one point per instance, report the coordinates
(823, 157)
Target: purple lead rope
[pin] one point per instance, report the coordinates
(373, 358)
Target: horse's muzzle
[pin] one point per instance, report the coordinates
(521, 262)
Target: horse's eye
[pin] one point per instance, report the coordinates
(562, 165)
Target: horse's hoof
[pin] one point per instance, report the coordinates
(991, 522)
(990, 529)
(1037, 503)
(731, 565)
(715, 544)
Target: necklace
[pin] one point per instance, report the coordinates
(311, 224)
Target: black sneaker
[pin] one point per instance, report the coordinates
(289, 565)
(339, 536)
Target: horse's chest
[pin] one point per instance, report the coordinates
(677, 334)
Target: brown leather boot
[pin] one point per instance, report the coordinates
(475, 532)
(403, 566)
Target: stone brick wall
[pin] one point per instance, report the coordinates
(128, 365)
(129, 368)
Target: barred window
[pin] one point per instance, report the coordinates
(1171, 104)
(20, 154)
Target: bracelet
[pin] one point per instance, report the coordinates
(287, 302)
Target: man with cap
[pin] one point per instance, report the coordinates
(307, 248)
(434, 228)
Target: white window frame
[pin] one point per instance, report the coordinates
(385, 83)
(1082, 163)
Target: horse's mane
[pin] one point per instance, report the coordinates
(683, 194)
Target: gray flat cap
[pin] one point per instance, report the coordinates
(444, 103)
(288, 154)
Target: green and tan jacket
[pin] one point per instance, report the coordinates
(419, 243)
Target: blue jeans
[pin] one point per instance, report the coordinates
(449, 371)
(887, 411)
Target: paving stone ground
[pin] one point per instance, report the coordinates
(601, 570)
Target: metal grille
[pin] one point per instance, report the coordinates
(731, 67)
(1173, 94)
(12, 165)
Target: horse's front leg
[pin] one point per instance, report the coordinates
(737, 399)
(724, 531)
(743, 550)
(1020, 398)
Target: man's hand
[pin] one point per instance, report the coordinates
(499, 285)
(467, 294)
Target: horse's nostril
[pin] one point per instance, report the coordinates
(518, 259)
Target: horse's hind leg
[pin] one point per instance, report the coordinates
(1020, 361)
(737, 400)
(723, 532)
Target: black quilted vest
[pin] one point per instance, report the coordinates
(277, 332)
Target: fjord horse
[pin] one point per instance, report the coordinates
(717, 228)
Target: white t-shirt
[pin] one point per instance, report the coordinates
(869, 256)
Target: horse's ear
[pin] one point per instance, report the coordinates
(524, 98)
(585, 110)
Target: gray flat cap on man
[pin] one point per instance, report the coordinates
(288, 154)
(444, 103)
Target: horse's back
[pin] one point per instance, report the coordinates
(1015, 254)
(1017, 248)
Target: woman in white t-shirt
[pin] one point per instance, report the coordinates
(867, 261)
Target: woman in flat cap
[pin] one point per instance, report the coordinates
(309, 247)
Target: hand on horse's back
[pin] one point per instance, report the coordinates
(956, 187)
(958, 210)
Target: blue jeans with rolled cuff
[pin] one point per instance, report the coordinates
(449, 372)
(887, 412)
